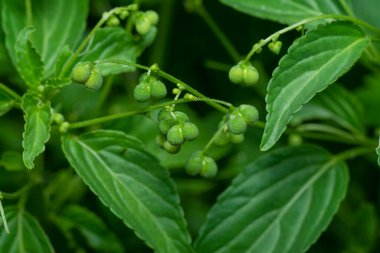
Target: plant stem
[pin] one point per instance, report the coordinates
(2, 214)
(346, 7)
(172, 79)
(211, 141)
(29, 14)
(354, 20)
(17, 194)
(10, 92)
(202, 12)
(112, 117)
(350, 154)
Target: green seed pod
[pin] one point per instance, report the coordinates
(142, 92)
(81, 72)
(166, 124)
(250, 75)
(236, 138)
(250, 113)
(158, 89)
(123, 14)
(190, 131)
(236, 74)
(175, 135)
(194, 164)
(58, 118)
(152, 16)
(163, 114)
(170, 148)
(143, 25)
(236, 123)
(209, 167)
(95, 81)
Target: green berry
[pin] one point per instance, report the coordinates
(236, 138)
(190, 131)
(142, 92)
(250, 113)
(95, 80)
(158, 89)
(295, 140)
(81, 72)
(58, 118)
(236, 74)
(163, 114)
(236, 123)
(194, 164)
(113, 21)
(170, 148)
(143, 25)
(209, 167)
(250, 75)
(152, 16)
(175, 135)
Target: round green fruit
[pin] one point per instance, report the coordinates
(195, 163)
(175, 135)
(170, 148)
(236, 74)
(209, 167)
(250, 75)
(236, 123)
(81, 72)
(152, 16)
(158, 89)
(143, 25)
(250, 113)
(142, 92)
(190, 131)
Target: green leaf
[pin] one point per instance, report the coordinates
(335, 104)
(58, 23)
(29, 63)
(115, 43)
(93, 229)
(6, 103)
(38, 118)
(133, 185)
(280, 203)
(367, 10)
(285, 11)
(312, 63)
(26, 234)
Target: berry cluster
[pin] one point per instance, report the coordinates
(244, 73)
(86, 74)
(175, 128)
(275, 46)
(201, 164)
(149, 87)
(235, 124)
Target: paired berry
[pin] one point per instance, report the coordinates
(145, 21)
(149, 87)
(275, 46)
(164, 144)
(201, 164)
(175, 127)
(243, 73)
(85, 73)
